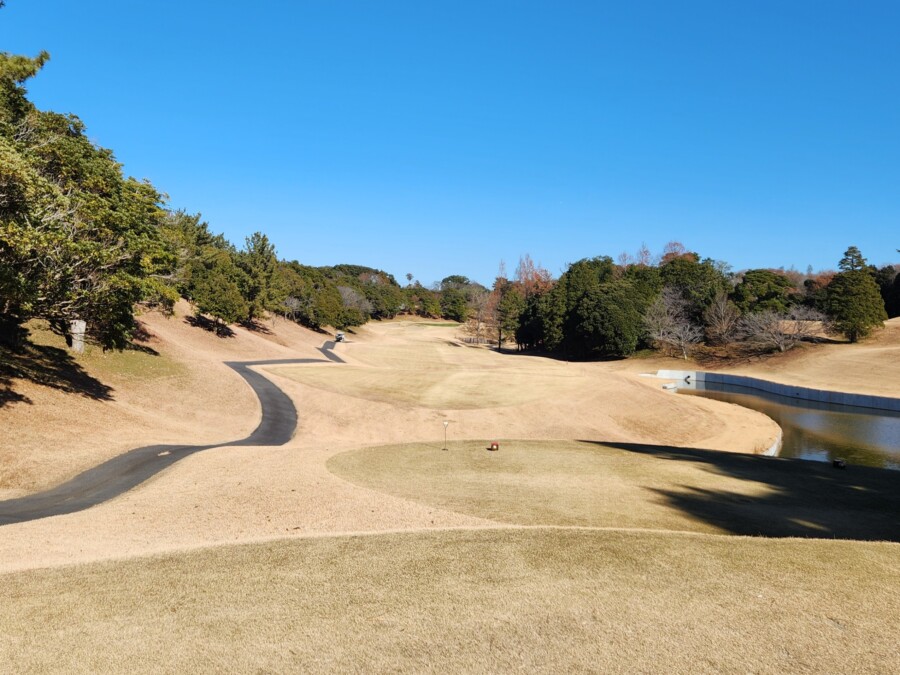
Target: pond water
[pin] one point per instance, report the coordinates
(819, 431)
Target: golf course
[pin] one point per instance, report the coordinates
(619, 527)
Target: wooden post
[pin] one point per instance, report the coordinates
(77, 329)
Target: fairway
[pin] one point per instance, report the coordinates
(453, 388)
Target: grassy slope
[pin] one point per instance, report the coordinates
(495, 600)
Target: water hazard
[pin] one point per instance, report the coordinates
(820, 431)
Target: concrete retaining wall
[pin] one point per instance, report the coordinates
(786, 390)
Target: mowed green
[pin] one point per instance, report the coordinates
(588, 484)
(480, 600)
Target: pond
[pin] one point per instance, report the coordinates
(819, 431)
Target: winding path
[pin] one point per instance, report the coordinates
(120, 474)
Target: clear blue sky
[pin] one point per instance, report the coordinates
(442, 137)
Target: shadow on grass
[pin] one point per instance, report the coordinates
(553, 356)
(141, 334)
(47, 366)
(220, 329)
(803, 498)
(255, 326)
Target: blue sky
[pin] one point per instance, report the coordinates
(440, 138)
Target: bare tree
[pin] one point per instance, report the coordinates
(482, 318)
(722, 319)
(668, 322)
(644, 258)
(781, 330)
(353, 299)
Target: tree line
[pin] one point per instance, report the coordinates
(599, 307)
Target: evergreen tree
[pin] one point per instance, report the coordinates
(509, 309)
(853, 260)
(760, 290)
(78, 241)
(854, 301)
(261, 289)
(611, 319)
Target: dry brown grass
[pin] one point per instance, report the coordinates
(514, 598)
(448, 387)
(634, 486)
(467, 601)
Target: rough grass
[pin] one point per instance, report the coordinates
(634, 486)
(467, 601)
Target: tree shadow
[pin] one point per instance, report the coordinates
(255, 326)
(219, 329)
(803, 498)
(49, 367)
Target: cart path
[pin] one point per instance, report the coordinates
(123, 472)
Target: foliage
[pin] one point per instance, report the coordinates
(78, 240)
(852, 261)
(262, 290)
(312, 299)
(760, 290)
(454, 305)
(218, 295)
(888, 282)
(611, 319)
(697, 281)
(510, 303)
(855, 304)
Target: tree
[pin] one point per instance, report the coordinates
(78, 240)
(533, 279)
(509, 308)
(721, 320)
(668, 321)
(453, 305)
(697, 281)
(853, 260)
(763, 290)
(780, 330)
(886, 278)
(562, 318)
(220, 297)
(855, 304)
(261, 288)
(312, 299)
(611, 318)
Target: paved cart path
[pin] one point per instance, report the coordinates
(120, 474)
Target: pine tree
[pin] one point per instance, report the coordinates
(854, 301)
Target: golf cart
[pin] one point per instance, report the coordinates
(339, 337)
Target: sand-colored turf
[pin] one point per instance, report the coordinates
(869, 367)
(633, 486)
(440, 574)
(542, 600)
